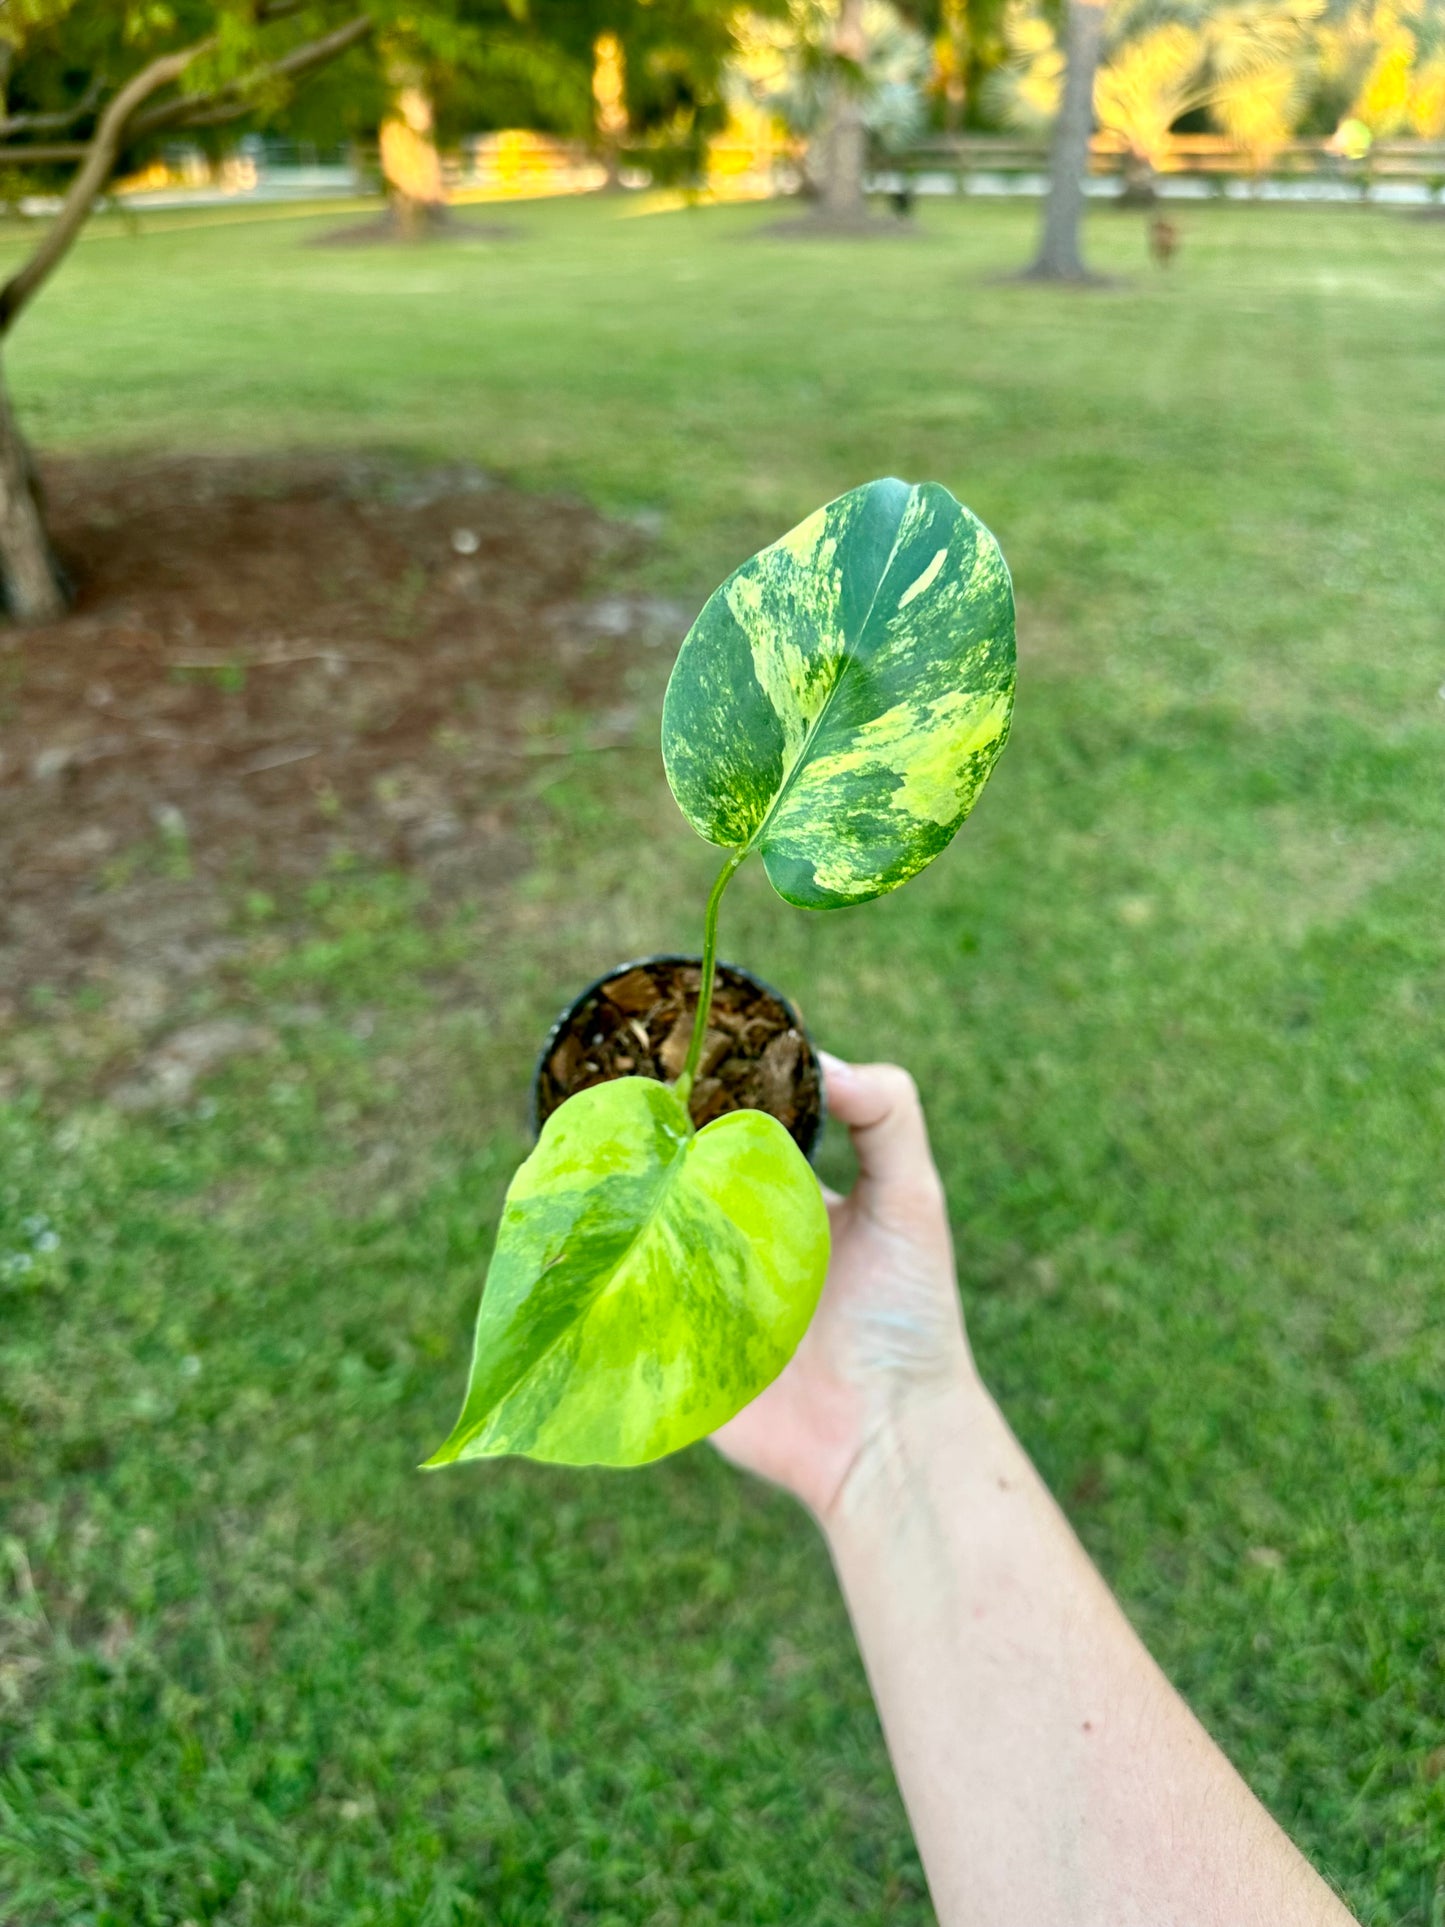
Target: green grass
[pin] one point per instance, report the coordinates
(1176, 998)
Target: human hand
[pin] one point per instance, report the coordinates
(888, 1332)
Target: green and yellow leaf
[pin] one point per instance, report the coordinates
(842, 698)
(648, 1281)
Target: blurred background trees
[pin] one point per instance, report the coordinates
(841, 75)
(1242, 69)
(1382, 64)
(1259, 72)
(90, 90)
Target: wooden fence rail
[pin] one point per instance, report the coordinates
(1200, 155)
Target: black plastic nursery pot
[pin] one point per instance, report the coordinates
(637, 1019)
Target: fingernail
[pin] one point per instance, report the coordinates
(834, 1068)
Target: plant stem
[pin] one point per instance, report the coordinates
(683, 1087)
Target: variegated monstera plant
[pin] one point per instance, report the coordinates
(836, 708)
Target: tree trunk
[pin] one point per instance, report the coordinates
(609, 102)
(29, 575)
(845, 137)
(1059, 257)
(953, 61)
(409, 162)
(1138, 189)
(32, 586)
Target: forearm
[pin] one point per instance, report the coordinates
(1052, 1775)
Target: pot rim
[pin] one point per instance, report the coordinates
(809, 1150)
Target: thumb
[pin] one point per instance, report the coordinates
(879, 1103)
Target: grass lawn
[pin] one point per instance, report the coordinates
(1176, 998)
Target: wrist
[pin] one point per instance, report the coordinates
(931, 1438)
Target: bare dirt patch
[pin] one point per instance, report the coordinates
(273, 663)
(385, 231)
(819, 226)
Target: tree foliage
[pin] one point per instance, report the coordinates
(89, 88)
(1258, 71)
(65, 61)
(788, 65)
(485, 63)
(1383, 63)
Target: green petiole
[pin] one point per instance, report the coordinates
(684, 1084)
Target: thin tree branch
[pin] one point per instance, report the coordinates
(55, 123)
(238, 97)
(122, 121)
(91, 176)
(45, 153)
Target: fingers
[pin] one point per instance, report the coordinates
(879, 1104)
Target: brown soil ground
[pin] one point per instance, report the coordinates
(815, 225)
(383, 231)
(271, 661)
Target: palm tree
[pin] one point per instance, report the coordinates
(1135, 68)
(1383, 63)
(839, 74)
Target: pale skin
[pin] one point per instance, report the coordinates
(1052, 1776)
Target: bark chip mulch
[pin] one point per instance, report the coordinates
(638, 1023)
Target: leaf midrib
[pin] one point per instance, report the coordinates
(849, 658)
(669, 1178)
